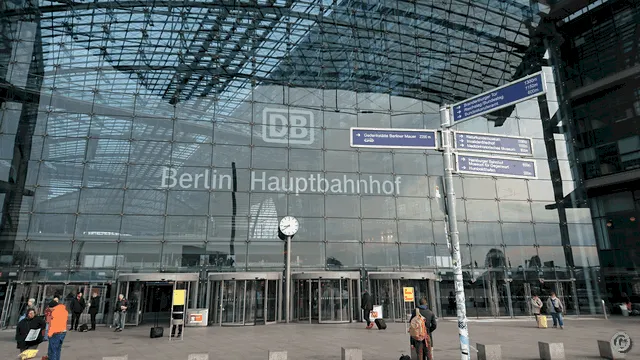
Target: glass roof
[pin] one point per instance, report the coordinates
(156, 59)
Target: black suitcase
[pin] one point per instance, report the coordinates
(156, 332)
(381, 324)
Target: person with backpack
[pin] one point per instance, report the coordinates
(421, 327)
(556, 308)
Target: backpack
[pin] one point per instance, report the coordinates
(418, 327)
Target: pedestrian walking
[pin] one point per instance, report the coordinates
(77, 307)
(421, 327)
(366, 304)
(57, 329)
(556, 309)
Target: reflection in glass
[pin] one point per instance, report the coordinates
(552, 256)
(381, 255)
(518, 234)
(378, 207)
(410, 231)
(481, 233)
(417, 256)
(307, 255)
(139, 256)
(343, 230)
(94, 255)
(343, 255)
(48, 254)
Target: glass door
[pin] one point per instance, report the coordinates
(5, 300)
(272, 300)
(101, 293)
(302, 308)
(133, 294)
(565, 292)
(232, 309)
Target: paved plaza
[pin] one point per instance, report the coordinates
(315, 342)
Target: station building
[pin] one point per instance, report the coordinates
(152, 145)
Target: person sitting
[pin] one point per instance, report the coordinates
(29, 331)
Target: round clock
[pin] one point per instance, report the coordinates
(289, 225)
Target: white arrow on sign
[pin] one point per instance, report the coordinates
(358, 134)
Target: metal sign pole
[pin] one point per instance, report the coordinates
(447, 148)
(288, 279)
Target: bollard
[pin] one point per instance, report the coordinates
(604, 310)
(551, 351)
(351, 354)
(608, 352)
(126, 357)
(198, 357)
(277, 355)
(489, 352)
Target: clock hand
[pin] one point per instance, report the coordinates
(284, 227)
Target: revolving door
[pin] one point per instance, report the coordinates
(387, 291)
(326, 297)
(244, 298)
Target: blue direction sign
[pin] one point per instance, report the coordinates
(496, 166)
(393, 138)
(496, 144)
(501, 97)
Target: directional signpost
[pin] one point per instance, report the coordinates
(496, 144)
(501, 97)
(393, 138)
(496, 166)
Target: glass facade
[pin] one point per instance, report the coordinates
(172, 138)
(601, 56)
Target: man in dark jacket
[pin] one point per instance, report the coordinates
(367, 306)
(77, 307)
(30, 322)
(94, 305)
(422, 348)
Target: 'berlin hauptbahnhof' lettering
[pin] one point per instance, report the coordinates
(211, 179)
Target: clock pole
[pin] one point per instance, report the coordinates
(288, 278)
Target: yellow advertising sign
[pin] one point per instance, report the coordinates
(408, 294)
(179, 297)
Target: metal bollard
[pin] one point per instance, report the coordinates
(604, 310)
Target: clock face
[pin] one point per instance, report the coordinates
(289, 225)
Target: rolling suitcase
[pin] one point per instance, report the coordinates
(381, 324)
(156, 331)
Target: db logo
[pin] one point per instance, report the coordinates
(287, 126)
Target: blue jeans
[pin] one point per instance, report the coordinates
(46, 333)
(557, 319)
(55, 345)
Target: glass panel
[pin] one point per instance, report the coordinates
(548, 234)
(582, 234)
(484, 233)
(343, 230)
(343, 255)
(479, 188)
(307, 255)
(516, 211)
(381, 255)
(48, 254)
(552, 256)
(410, 231)
(518, 234)
(139, 256)
(585, 256)
(417, 256)
(482, 210)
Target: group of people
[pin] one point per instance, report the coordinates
(422, 324)
(554, 307)
(32, 329)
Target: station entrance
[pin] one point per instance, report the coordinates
(326, 297)
(238, 298)
(387, 291)
(17, 294)
(150, 295)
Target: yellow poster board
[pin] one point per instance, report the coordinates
(179, 297)
(408, 294)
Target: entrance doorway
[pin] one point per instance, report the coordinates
(150, 296)
(238, 299)
(43, 293)
(326, 297)
(387, 291)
